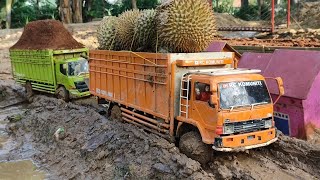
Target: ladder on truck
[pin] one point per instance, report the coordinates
(184, 94)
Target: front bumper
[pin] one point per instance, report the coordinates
(74, 93)
(246, 141)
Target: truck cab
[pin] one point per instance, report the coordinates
(73, 74)
(231, 108)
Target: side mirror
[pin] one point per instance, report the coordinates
(280, 85)
(213, 100)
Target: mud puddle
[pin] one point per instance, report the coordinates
(24, 169)
(6, 142)
(20, 169)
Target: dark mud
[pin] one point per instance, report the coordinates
(93, 147)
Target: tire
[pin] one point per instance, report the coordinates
(63, 94)
(192, 146)
(116, 113)
(29, 90)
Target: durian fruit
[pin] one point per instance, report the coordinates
(185, 25)
(126, 29)
(106, 33)
(145, 31)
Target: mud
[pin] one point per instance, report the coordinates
(20, 170)
(95, 147)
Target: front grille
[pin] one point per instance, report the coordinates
(249, 126)
(81, 86)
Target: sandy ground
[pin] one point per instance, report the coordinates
(95, 147)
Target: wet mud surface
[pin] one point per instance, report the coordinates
(95, 147)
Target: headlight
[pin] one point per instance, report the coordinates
(268, 123)
(228, 128)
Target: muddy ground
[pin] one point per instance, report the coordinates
(93, 146)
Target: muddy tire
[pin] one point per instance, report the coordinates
(29, 90)
(63, 94)
(192, 146)
(116, 113)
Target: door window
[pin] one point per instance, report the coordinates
(202, 92)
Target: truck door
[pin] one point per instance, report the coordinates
(201, 110)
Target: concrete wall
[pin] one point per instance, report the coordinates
(293, 108)
(312, 108)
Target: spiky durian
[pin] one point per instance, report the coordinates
(106, 33)
(185, 25)
(126, 29)
(145, 31)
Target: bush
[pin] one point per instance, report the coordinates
(22, 13)
(251, 13)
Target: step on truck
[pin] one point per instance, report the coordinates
(200, 99)
(60, 72)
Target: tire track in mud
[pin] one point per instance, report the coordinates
(95, 147)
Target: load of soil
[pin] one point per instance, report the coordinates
(46, 34)
(95, 147)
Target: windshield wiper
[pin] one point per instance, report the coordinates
(252, 105)
(242, 105)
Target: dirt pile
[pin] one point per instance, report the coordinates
(93, 147)
(227, 20)
(309, 14)
(299, 42)
(46, 34)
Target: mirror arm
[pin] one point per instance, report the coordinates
(279, 90)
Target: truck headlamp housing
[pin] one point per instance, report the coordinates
(228, 129)
(268, 123)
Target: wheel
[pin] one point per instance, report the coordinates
(116, 113)
(63, 94)
(192, 146)
(29, 90)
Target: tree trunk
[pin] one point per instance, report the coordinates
(38, 8)
(65, 11)
(260, 3)
(217, 3)
(8, 13)
(77, 11)
(134, 4)
(244, 3)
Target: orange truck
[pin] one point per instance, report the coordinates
(202, 100)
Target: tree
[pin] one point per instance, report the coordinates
(134, 4)
(77, 11)
(244, 3)
(8, 13)
(65, 11)
(260, 3)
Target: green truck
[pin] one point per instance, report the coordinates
(64, 73)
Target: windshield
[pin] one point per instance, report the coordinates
(243, 93)
(77, 68)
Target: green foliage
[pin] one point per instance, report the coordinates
(251, 13)
(24, 12)
(225, 6)
(102, 8)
